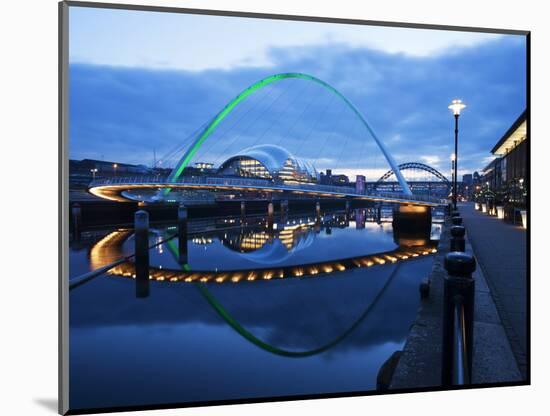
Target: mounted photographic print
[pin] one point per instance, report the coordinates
(265, 207)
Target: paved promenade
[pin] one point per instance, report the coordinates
(501, 252)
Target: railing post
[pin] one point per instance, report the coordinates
(76, 213)
(182, 233)
(141, 230)
(458, 243)
(270, 216)
(458, 303)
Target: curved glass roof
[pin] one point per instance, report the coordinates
(272, 157)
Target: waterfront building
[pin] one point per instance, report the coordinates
(503, 180)
(269, 162)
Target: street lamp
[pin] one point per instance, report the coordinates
(456, 106)
(452, 174)
(94, 171)
(115, 165)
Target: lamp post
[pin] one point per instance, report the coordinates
(115, 165)
(94, 171)
(453, 158)
(455, 107)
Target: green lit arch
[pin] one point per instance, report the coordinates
(210, 127)
(249, 336)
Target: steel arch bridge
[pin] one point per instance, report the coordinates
(117, 189)
(212, 125)
(414, 166)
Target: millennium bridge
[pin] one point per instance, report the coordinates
(274, 170)
(128, 189)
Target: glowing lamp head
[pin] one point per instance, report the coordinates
(453, 157)
(456, 106)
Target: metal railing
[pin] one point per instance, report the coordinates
(461, 373)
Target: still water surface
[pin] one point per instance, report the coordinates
(190, 342)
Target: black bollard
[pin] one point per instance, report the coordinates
(76, 213)
(141, 230)
(424, 288)
(457, 238)
(457, 220)
(458, 319)
(182, 233)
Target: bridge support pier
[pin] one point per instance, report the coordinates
(76, 213)
(412, 219)
(141, 230)
(182, 233)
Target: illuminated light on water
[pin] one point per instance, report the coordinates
(191, 277)
(221, 278)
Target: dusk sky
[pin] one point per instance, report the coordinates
(143, 82)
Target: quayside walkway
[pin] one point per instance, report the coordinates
(501, 252)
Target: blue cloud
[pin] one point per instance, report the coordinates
(122, 114)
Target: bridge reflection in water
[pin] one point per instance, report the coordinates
(258, 245)
(342, 316)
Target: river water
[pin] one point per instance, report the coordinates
(198, 337)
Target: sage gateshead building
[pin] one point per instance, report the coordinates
(269, 162)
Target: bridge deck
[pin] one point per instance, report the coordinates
(115, 189)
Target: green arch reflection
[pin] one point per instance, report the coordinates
(228, 318)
